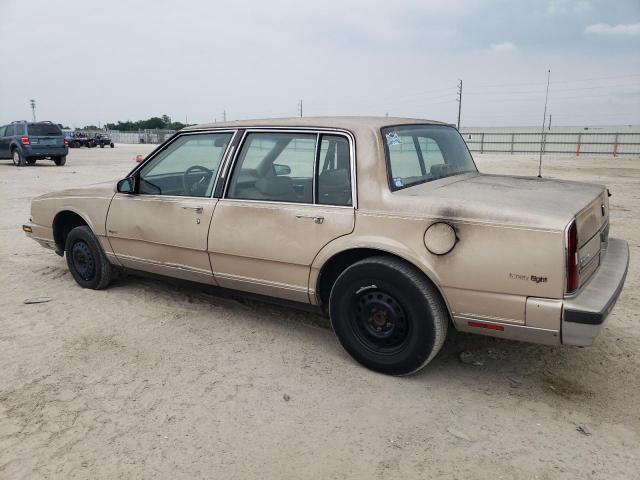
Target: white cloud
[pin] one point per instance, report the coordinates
(504, 47)
(563, 7)
(628, 29)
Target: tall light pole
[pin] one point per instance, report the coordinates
(32, 102)
(459, 99)
(300, 108)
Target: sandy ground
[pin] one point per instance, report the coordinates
(150, 379)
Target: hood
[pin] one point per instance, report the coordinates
(510, 200)
(97, 190)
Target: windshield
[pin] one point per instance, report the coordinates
(43, 129)
(421, 153)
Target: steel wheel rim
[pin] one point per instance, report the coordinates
(16, 158)
(379, 322)
(83, 261)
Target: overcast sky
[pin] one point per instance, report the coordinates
(87, 62)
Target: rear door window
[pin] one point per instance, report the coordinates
(11, 131)
(334, 171)
(2, 130)
(275, 167)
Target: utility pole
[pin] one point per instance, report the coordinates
(224, 115)
(300, 108)
(32, 102)
(459, 100)
(549, 127)
(544, 117)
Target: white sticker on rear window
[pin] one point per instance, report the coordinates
(393, 139)
(398, 182)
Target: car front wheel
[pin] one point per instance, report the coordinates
(86, 260)
(387, 315)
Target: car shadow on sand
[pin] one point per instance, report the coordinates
(492, 365)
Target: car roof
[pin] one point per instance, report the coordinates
(346, 123)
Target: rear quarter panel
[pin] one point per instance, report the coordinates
(490, 272)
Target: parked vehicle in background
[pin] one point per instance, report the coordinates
(397, 240)
(101, 140)
(26, 142)
(81, 139)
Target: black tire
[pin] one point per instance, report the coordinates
(60, 161)
(111, 145)
(86, 260)
(102, 145)
(75, 145)
(18, 158)
(387, 315)
(31, 161)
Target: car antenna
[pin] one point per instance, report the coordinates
(544, 117)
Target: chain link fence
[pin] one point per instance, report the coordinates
(142, 136)
(571, 143)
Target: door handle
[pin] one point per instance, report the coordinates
(315, 219)
(195, 209)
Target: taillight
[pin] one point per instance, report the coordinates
(573, 273)
(24, 140)
(66, 142)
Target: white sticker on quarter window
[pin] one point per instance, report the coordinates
(398, 182)
(393, 139)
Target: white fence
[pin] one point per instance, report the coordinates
(613, 143)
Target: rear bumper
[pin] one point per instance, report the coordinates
(53, 151)
(584, 314)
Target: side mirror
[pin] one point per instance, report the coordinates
(279, 169)
(126, 185)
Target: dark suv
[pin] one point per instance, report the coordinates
(25, 142)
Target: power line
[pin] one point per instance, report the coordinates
(532, 92)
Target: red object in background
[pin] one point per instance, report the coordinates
(139, 158)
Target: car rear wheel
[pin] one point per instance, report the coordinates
(18, 158)
(111, 145)
(102, 145)
(387, 315)
(86, 260)
(60, 161)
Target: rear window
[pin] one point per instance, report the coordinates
(421, 153)
(43, 129)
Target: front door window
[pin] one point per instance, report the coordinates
(187, 168)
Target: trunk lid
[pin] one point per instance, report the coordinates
(523, 201)
(44, 135)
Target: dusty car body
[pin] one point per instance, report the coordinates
(385, 223)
